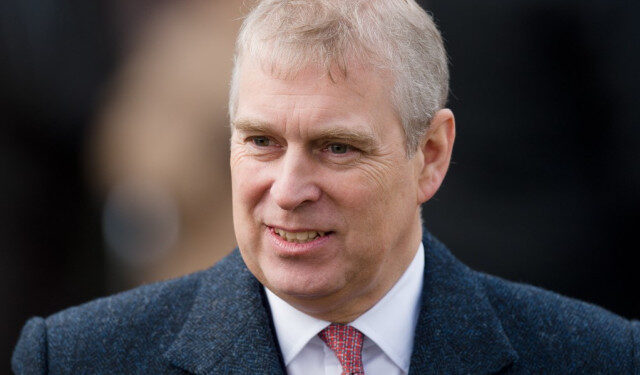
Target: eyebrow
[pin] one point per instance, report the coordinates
(357, 137)
(251, 126)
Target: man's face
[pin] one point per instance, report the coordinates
(325, 201)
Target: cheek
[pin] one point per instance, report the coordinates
(373, 201)
(370, 187)
(249, 183)
(361, 202)
(248, 187)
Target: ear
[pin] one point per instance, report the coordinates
(435, 153)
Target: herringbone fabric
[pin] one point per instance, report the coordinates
(346, 343)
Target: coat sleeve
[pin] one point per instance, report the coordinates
(30, 354)
(635, 332)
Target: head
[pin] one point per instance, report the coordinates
(338, 135)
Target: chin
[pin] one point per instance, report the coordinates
(303, 287)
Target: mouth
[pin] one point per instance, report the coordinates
(299, 236)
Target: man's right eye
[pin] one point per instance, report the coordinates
(261, 141)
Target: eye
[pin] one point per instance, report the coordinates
(338, 148)
(261, 141)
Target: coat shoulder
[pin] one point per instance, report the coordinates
(557, 334)
(132, 328)
(129, 313)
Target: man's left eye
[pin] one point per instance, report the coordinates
(338, 148)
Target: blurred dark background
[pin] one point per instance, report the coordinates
(544, 187)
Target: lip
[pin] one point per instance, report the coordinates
(295, 230)
(289, 249)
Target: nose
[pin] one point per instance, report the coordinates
(295, 183)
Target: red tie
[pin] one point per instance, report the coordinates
(346, 343)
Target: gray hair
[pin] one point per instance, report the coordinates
(392, 35)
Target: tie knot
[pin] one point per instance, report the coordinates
(346, 342)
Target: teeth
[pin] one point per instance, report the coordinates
(298, 237)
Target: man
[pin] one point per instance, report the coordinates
(339, 135)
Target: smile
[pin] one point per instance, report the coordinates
(298, 237)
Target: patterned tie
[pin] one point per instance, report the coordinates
(346, 343)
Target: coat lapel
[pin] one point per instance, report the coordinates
(229, 329)
(458, 331)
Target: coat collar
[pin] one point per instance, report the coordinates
(458, 331)
(229, 327)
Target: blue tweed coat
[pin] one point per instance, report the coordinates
(217, 322)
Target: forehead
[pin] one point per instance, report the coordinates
(357, 79)
(313, 95)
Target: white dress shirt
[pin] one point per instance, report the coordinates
(388, 328)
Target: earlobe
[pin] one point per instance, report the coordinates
(435, 149)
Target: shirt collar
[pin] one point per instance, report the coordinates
(295, 329)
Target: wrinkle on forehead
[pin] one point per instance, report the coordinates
(310, 82)
(358, 78)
